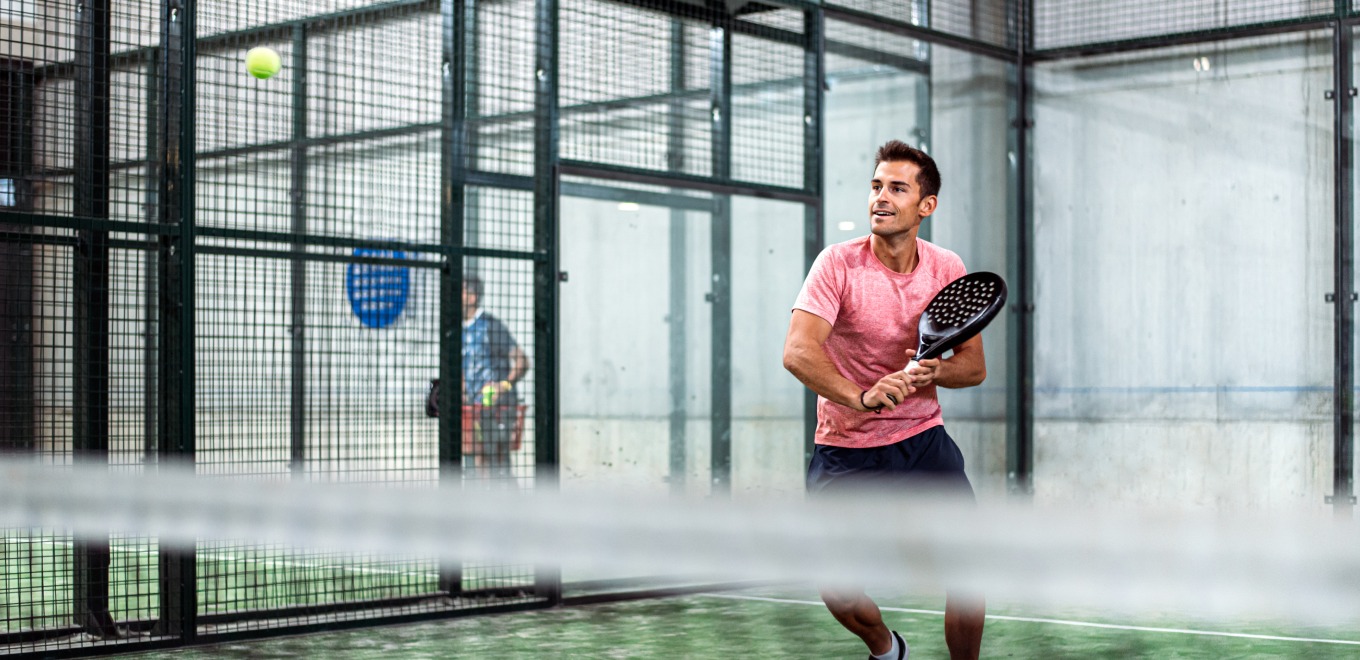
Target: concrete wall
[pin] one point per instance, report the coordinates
(1184, 221)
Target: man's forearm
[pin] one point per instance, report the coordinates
(816, 371)
(960, 371)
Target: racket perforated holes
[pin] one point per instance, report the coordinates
(961, 301)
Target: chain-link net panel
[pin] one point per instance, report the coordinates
(767, 103)
(376, 74)
(986, 21)
(1060, 23)
(239, 115)
(497, 392)
(498, 57)
(316, 351)
(635, 87)
(226, 16)
(299, 378)
(77, 97)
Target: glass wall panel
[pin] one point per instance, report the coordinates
(872, 95)
(970, 122)
(767, 401)
(623, 261)
(1183, 215)
(635, 337)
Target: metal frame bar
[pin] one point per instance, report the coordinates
(1020, 348)
(453, 142)
(298, 294)
(547, 175)
(814, 154)
(1343, 403)
(176, 440)
(1182, 38)
(720, 242)
(716, 184)
(90, 297)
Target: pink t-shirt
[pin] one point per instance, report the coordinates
(873, 314)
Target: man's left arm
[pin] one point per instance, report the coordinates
(519, 364)
(967, 367)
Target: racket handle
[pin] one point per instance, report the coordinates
(910, 366)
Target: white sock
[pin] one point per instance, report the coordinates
(891, 653)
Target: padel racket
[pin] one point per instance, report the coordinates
(960, 310)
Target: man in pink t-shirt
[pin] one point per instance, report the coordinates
(852, 333)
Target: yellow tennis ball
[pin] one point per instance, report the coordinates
(263, 62)
(488, 394)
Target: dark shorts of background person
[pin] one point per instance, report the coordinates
(496, 427)
(928, 463)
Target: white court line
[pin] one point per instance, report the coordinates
(1062, 622)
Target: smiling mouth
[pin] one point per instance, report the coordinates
(882, 214)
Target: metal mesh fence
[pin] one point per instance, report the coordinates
(767, 105)
(315, 297)
(74, 294)
(636, 87)
(500, 73)
(1059, 24)
(986, 21)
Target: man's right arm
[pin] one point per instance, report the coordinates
(805, 358)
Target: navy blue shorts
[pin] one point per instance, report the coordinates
(927, 463)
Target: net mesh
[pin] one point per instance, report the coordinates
(1061, 24)
(984, 22)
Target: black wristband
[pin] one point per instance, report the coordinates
(876, 410)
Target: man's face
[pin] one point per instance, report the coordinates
(469, 299)
(895, 203)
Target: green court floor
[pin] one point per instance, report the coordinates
(788, 622)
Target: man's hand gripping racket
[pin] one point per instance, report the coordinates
(958, 312)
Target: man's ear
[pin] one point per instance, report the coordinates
(927, 206)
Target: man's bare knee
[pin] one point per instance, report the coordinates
(842, 600)
(965, 602)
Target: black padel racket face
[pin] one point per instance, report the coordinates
(959, 311)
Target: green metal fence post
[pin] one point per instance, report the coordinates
(90, 281)
(298, 201)
(720, 295)
(1343, 498)
(178, 572)
(453, 164)
(1020, 350)
(814, 226)
(547, 579)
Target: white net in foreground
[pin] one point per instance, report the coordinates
(1289, 567)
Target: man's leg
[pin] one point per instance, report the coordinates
(499, 449)
(859, 614)
(964, 616)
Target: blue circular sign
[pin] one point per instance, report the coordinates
(377, 292)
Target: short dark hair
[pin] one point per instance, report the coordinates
(896, 151)
(473, 285)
